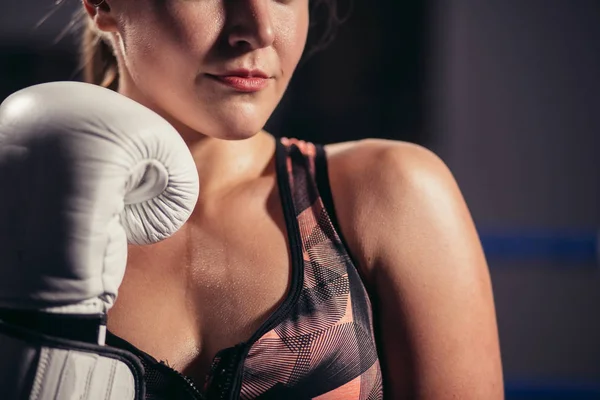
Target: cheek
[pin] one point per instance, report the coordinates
(169, 41)
(292, 31)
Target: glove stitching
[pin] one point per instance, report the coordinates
(64, 369)
(40, 373)
(88, 381)
(111, 379)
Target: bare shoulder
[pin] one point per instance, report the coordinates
(375, 148)
(381, 168)
(375, 181)
(408, 226)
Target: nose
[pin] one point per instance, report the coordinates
(250, 24)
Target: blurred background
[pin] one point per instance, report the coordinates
(507, 92)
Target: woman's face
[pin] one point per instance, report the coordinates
(220, 67)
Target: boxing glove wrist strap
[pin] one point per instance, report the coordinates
(79, 327)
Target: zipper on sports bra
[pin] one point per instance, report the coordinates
(233, 385)
(232, 391)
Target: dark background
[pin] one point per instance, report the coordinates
(506, 92)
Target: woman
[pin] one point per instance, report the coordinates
(350, 271)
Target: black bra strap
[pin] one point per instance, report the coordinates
(322, 178)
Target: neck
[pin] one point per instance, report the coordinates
(224, 164)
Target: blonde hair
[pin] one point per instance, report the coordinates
(98, 60)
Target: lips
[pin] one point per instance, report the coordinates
(243, 80)
(246, 73)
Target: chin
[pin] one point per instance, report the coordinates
(238, 134)
(240, 124)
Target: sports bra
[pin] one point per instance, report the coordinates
(320, 342)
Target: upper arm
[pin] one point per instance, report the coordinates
(409, 227)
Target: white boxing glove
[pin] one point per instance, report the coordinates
(83, 171)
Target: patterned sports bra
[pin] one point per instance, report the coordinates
(319, 343)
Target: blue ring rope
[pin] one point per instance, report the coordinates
(566, 246)
(550, 391)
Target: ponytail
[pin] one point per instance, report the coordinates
(97, 57)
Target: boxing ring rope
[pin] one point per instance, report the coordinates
(564, 246)
(544, 391)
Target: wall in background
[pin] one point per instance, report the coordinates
(515, 101)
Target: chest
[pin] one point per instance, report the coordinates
(209, 287)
